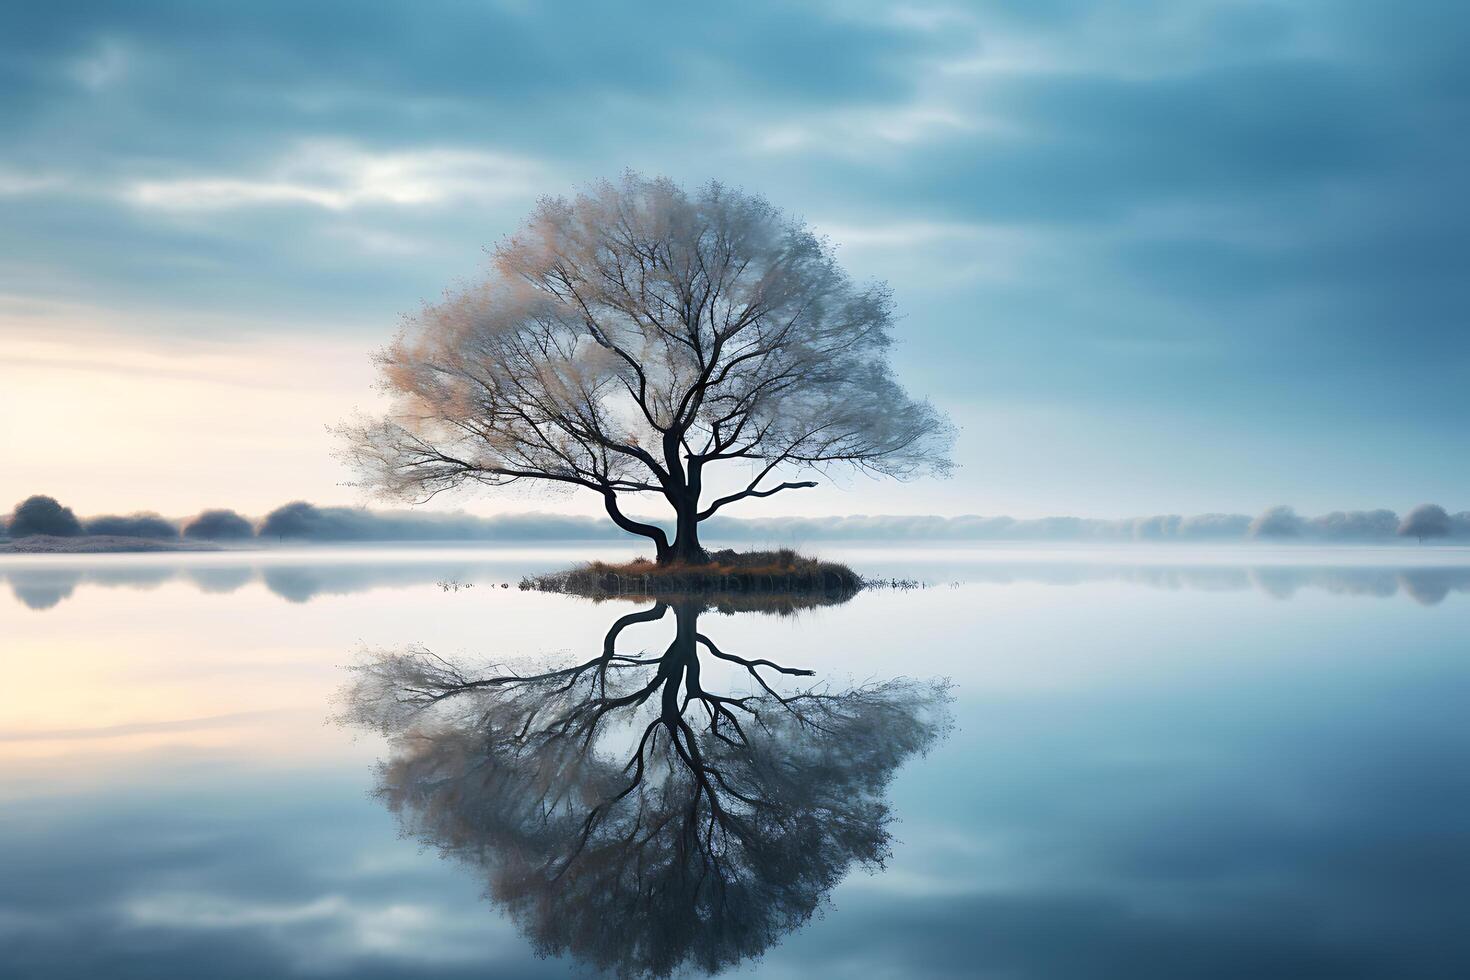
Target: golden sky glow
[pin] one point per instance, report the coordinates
(111, 421)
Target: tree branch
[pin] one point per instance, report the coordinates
(748, 492)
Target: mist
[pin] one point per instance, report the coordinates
(302, 522)
(42, 587)
(305, 522)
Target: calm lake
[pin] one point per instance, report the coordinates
(1146, 763)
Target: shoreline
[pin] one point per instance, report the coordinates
(98, 544)
(1087, 552)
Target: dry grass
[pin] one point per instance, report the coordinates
(729, 577)
(45, 544)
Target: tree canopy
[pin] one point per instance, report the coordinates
(624, 341)
(1426, 521)
(40, 514)
(142, 525)
(218, 525)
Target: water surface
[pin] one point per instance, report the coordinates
(1156, 763)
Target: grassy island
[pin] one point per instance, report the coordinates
(727, 573)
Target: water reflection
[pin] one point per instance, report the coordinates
(1425, 584)
(633, 812)
(1175, 783)
(220, 580)
(42, 586)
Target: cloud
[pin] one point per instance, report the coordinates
(245, 894)
(900, 235)
(857, 133)
(132, 728)
(1205, 196)
(340, 176)
(105, 66)
(14, 183)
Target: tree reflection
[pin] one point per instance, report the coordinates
(44, 588)
(625, 811)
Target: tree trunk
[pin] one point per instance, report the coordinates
(686, 547)
(650, 531)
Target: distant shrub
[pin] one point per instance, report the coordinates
(1352, 525)
(1214, 526)
(1157, 528)
(133, 526)
(218, 525)
(43, 515)
(1426, 521)
(297, 519)
(1276, 522)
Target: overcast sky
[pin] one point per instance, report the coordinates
(1152, 256)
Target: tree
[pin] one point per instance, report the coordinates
(218, 525)
(43, 515)
(1426, 521)
(142, 525)
(297, 519)
(1276, 522)
(624, 812)
(626, 341)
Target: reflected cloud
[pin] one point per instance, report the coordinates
(625, 811)
(133, 728)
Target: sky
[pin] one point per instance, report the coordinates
(1174, 256)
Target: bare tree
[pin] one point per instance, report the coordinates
(628, 339)
(623, 811)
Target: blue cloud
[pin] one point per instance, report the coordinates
(1246, 215)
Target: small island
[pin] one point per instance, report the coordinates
(728, 575)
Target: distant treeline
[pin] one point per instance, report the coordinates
(300, 521)
(1425, 522)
